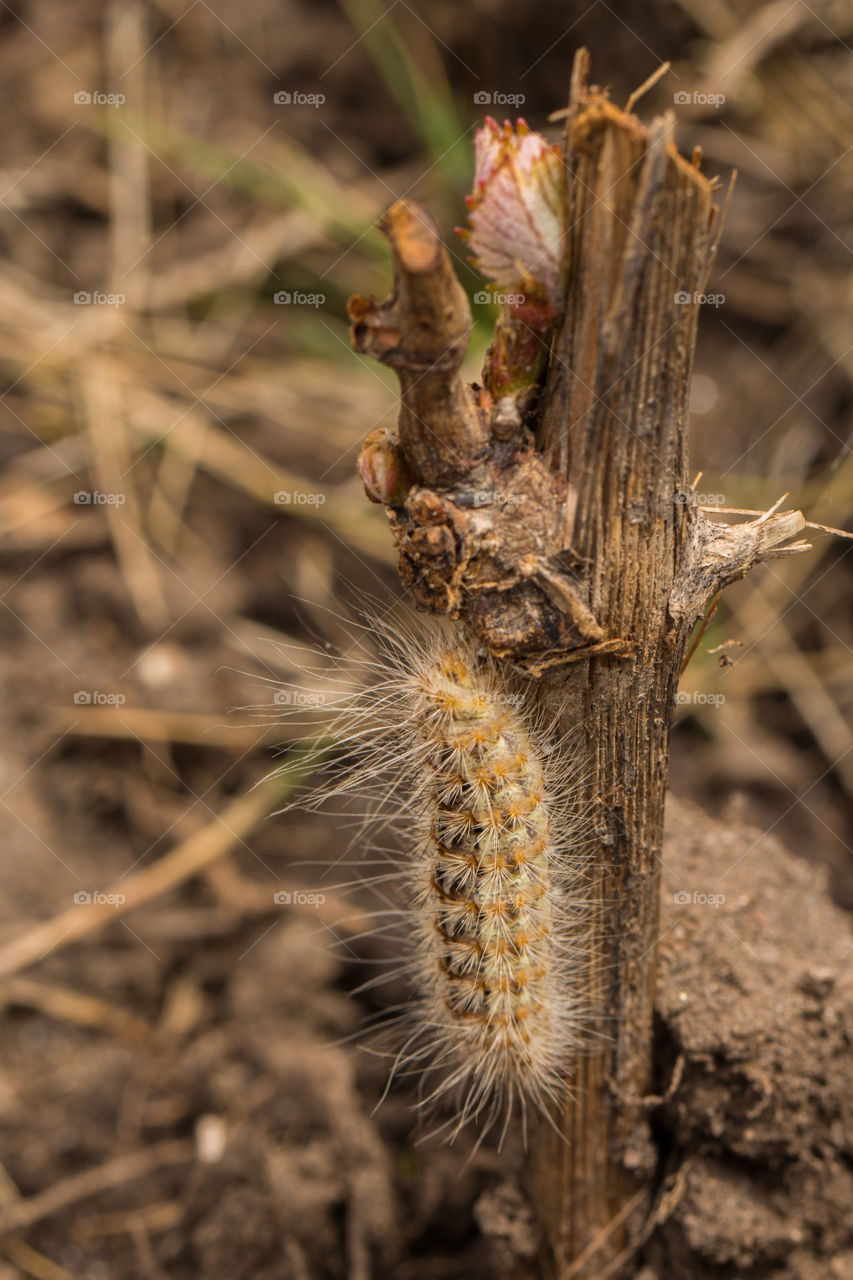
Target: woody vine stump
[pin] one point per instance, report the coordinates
(549, 510)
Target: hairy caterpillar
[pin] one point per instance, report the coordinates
(454, 752)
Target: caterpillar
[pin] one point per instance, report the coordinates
(455, 753)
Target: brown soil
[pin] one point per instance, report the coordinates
(261, 1155)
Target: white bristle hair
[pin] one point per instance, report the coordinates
(452, 749)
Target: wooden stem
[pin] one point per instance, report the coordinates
(571, 545)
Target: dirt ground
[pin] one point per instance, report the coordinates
(184, 1087)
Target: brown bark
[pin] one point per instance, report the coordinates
(567, 540)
